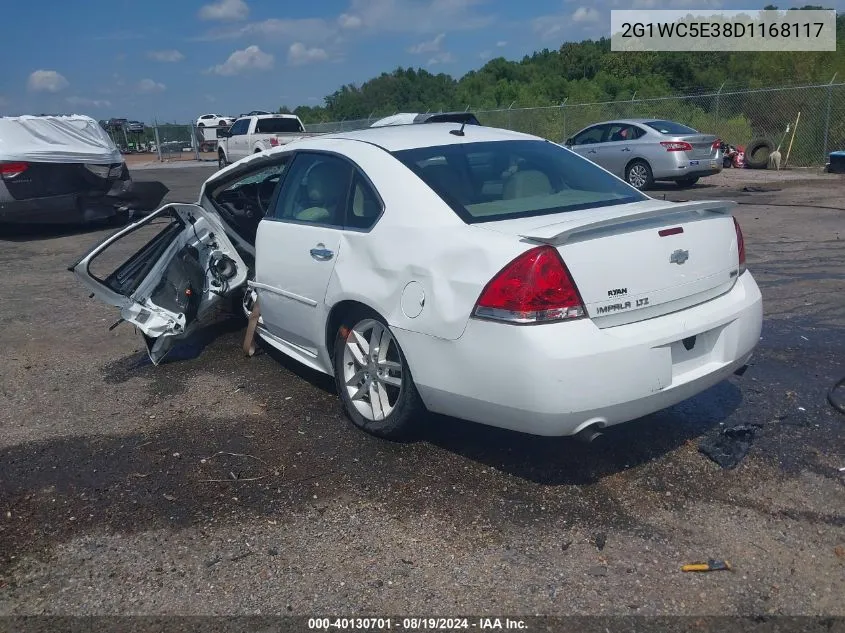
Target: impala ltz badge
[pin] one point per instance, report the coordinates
(679, 256)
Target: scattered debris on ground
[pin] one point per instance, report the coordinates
(711, 565)
(728, 447)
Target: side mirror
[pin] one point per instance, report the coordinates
(223, 134)
(568, 142)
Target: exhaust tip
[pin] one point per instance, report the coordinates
(589, 434)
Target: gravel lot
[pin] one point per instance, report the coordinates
(109, 504)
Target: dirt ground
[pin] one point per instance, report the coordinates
(117, 492)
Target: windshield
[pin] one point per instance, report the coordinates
(670, 127)
(500, 180)
(278, 126)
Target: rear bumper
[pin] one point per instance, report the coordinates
(56, 210)
(679, 165)
(78, 207)
(559, 378)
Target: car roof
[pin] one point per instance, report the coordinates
(272, 116)
(392, 138)
(400, 137)
(640, 121)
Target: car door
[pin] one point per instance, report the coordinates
(238, 139)
(297, 246)
(619, 147)
(587, 143)
(185, 266)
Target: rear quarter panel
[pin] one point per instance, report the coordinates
(417, 239)
(663, 164)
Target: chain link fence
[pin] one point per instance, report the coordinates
(174, 142)
(735, 116)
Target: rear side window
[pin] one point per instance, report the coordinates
(670, 127)
(282, 125)
(315, 191)
(624, 132)
(364, 205)
(499, 180)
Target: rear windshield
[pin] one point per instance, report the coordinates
(500, 180)
(458, 117)
(670, 127)
(278, 126)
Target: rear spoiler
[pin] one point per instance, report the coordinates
(561, 232)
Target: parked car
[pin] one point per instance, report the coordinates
(213, 120)
(408, 118)
(116, 124)
(255, 113)
(135, 126)
(60, 169)
(641, 151)
(252, 134)
(492, 276)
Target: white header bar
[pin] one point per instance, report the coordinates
(718, 30)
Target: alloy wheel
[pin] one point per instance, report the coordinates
(372, 369)
(638, 176)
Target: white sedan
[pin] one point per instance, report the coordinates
(477, 272)
(214, 120)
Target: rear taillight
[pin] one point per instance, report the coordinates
(274, 142)
(740, 246)
(717, 145)
(676, 146)
(536, 287)
(12, 170)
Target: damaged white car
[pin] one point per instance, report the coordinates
(474, 272)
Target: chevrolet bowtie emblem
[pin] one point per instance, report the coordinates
(679, 256)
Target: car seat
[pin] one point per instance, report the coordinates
(523, 184)
(325, 187)
(443, 178)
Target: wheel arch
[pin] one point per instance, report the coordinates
(337, 313)
(636, 159)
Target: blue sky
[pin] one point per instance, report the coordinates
(173, 60)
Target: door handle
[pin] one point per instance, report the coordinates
(626, 149)
(321, 253)
(592, 151)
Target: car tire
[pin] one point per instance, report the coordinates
(757, 153)
(222, 163)
(638, 174)
(367, 410)
(687, 182)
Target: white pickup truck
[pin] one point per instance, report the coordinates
(253, 134)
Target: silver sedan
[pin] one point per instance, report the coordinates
(641, 151)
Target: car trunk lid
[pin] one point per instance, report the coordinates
(702, 144)
(641, 260)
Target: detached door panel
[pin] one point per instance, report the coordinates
(184, 267)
